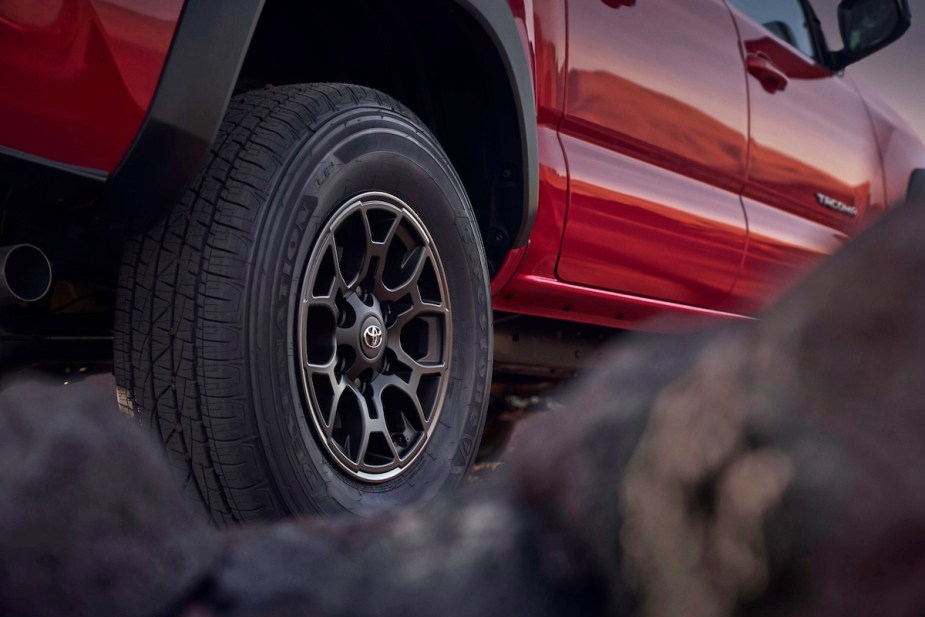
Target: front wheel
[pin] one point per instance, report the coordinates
(309, 330)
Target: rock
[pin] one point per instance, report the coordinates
(781, 464)
(91, 522)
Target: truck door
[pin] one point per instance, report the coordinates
(814, 168)
(655, 136)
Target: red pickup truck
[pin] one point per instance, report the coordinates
(313, 235)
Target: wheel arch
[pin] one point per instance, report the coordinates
(461, 65)
(499, 23)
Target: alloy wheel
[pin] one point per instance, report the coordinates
(374, 337)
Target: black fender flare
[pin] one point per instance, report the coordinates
(496, 18)
(198, 80)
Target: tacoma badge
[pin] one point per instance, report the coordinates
(834, 204)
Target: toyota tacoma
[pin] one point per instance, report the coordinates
(315, 240)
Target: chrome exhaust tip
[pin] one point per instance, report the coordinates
(25, 274)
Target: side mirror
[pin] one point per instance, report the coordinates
(868, 26)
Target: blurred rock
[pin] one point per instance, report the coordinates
(90, 523)
(767, 467)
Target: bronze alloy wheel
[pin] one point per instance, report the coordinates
(374, 337)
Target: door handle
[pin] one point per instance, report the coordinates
(763, 68)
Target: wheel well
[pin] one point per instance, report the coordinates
(433, 57)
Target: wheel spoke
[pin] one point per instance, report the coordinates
(343, 336)
(412, 268)
(390, 235)
(379, 386)
(369, 251)
(364, 445)
(330, 248)
(384, 382)
(326, 368)
(375, 249)
(339, 390)
(419, 310)
(419, 410)
(338, 284)
(395, 455)
(417, 367)
(329, 302)
(381, 251)
(348, 388)
(327, 410)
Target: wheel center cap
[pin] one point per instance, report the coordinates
(372, 337)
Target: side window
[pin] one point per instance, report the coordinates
(786, 19)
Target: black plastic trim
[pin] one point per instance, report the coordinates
(202, 68)
(22, 169)
(496, 19)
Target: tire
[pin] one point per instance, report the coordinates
(223, 318)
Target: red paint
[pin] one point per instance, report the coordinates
(656, 146)
(643, 230)
(681, 150)
(545, 297)
(77, 76)
(900, 148)
(590, 124)
(815, 137)
(782, 246)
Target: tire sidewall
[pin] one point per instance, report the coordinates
(358, 151)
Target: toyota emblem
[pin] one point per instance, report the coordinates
(372, 336)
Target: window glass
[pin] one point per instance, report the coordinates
(784, 18)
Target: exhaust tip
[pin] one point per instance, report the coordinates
(25, 274)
